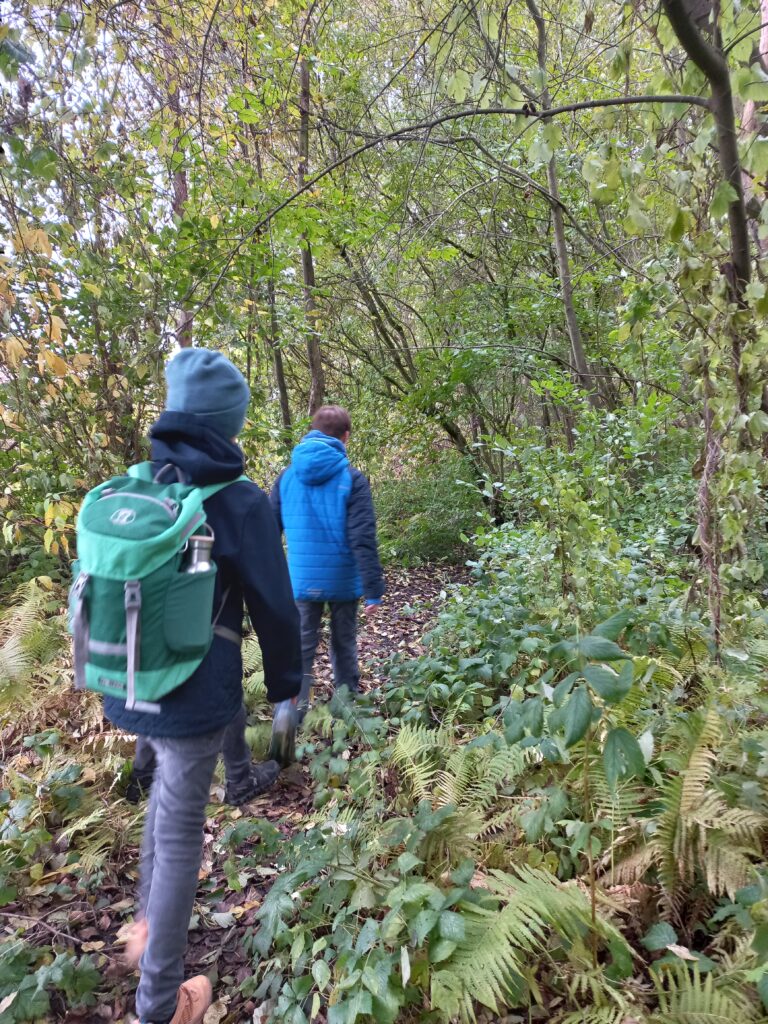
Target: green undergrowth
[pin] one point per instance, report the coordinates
(557, 812)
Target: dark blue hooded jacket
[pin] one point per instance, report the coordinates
(326, 510)
(251, 569)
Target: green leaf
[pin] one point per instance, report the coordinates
(612, 628)
(760, 942)
(563, 688)
(533, 715)
(577, 715)
(610, 685)
(622, 757)
(441, 950)
(762, 989)
(598, 648)
(659, 936)
(451, 926)
(725, 194)
(458, 85)
(407, 862)
(321, 972)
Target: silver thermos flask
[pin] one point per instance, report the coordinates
(284, 725)
(199, 553)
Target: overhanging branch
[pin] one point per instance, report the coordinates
(407, 131)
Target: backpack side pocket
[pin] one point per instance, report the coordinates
(189, 611)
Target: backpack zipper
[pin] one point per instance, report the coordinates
(143, 497)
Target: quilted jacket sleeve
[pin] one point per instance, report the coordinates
(361, 533)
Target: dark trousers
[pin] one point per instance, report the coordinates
(343, 644)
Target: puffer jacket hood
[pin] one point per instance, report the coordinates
(318, 457)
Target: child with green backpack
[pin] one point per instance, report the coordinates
(167, 557)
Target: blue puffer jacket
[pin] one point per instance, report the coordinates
(326, 510)
(251, 571)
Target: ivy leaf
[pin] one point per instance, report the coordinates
(577, 714)
(725, 194)
(622, 757)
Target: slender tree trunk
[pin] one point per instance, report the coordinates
(750, 123)
(709, 57)
(179, 202)
(561, 250)
(317, 374)
(277, 362)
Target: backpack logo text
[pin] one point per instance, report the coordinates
(123, 517)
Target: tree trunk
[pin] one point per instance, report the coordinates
(277, 363)
(317, 374)
(178, 203)
(581, 369)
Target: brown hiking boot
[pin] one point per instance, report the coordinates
(195, 996)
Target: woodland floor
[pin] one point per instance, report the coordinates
(86, 915)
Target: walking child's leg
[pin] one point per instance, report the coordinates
(180, 794)
(235, 750)
(346, 671)
(244, 779)
(310, 615)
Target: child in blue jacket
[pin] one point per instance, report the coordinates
(325, 508)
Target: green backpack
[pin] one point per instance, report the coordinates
(141, 625)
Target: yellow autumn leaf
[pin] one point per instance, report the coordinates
(48, 540)
(55, 291)
(55, 327)
(81, 361)
(56, 363)
(50, 514)
(14, 351)
(94, 289)
(214, 221)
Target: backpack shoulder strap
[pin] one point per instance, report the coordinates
(211, 489)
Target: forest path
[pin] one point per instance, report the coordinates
(87, 918)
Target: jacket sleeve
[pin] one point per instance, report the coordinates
(269, 600)
(361, 533)
(276, 503)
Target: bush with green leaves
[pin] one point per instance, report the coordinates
(520, 812)
(30, 978)
(426, 512)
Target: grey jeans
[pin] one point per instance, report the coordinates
(171, 854)
(235, 751)
(343, 644)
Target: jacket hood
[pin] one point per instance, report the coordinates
(318, 457)
(203, 454)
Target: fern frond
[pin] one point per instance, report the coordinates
(414, 752)
(497, 944)
(688, 997)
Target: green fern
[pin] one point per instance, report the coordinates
(688, 997)
(698, 838)
(492, 958)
